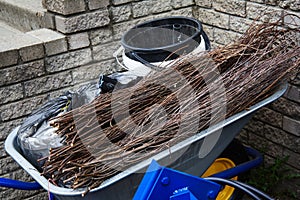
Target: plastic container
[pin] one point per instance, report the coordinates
(155, 43)
(123, 185)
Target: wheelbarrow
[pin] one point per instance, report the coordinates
(124, 185)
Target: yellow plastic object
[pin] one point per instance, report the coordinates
(219, 165)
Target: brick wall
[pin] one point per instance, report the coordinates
(274, 129)
(89, 31)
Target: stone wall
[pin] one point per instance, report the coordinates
(274, 129)
(87, 32)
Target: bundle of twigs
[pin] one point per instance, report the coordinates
(120, 129)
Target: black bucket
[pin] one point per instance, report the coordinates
(163, 39)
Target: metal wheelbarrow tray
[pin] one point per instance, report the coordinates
(123, 185)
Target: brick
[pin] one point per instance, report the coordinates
(161, 6)
(13, 194)
(121, 13)
(22, 72)
(224, 37)
(39, 196)
(268, 160)
(82, 22)
(269, 116)
(7, 127)
(54, 42)
(96, 4)
(243, 136)
(120, 28)
(273, 149)
(48, 21)
(2, 150)
(280, 137)
(159, 15)
(32, 52)
(293, 158)
(209, 30)
(214, 18)
(64, 7)
(239, 24)
(8, 58)
(263, 13)
(142, 8)
(290, 4)
(235, 7)
(105, 51)
(21, 108)
(101, 35)
(293, 93)
(265, 146)
(256, 127)
(20, 175)
(286, 107)
(78, 40)
(187, 12)
(92, 72)
(204, 3)
(47, 83)
(291, 125)
(214, 45)
(11, 93)
(8, 165)
(68, 60)
(182, 3)
(118, 2)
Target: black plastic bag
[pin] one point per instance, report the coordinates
(36, 136)
(106, 84)
(85, 94)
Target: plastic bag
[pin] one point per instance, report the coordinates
(85, 94)
(36, 136)
(106, 84)
(125, 79)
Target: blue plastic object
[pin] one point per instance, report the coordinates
(257, 159)
(183, 194)
(20, 185)
(168, 184)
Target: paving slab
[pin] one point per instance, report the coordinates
(12, 39)
(25, 15)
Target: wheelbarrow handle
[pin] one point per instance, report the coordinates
(9, 183)
(241, 168)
